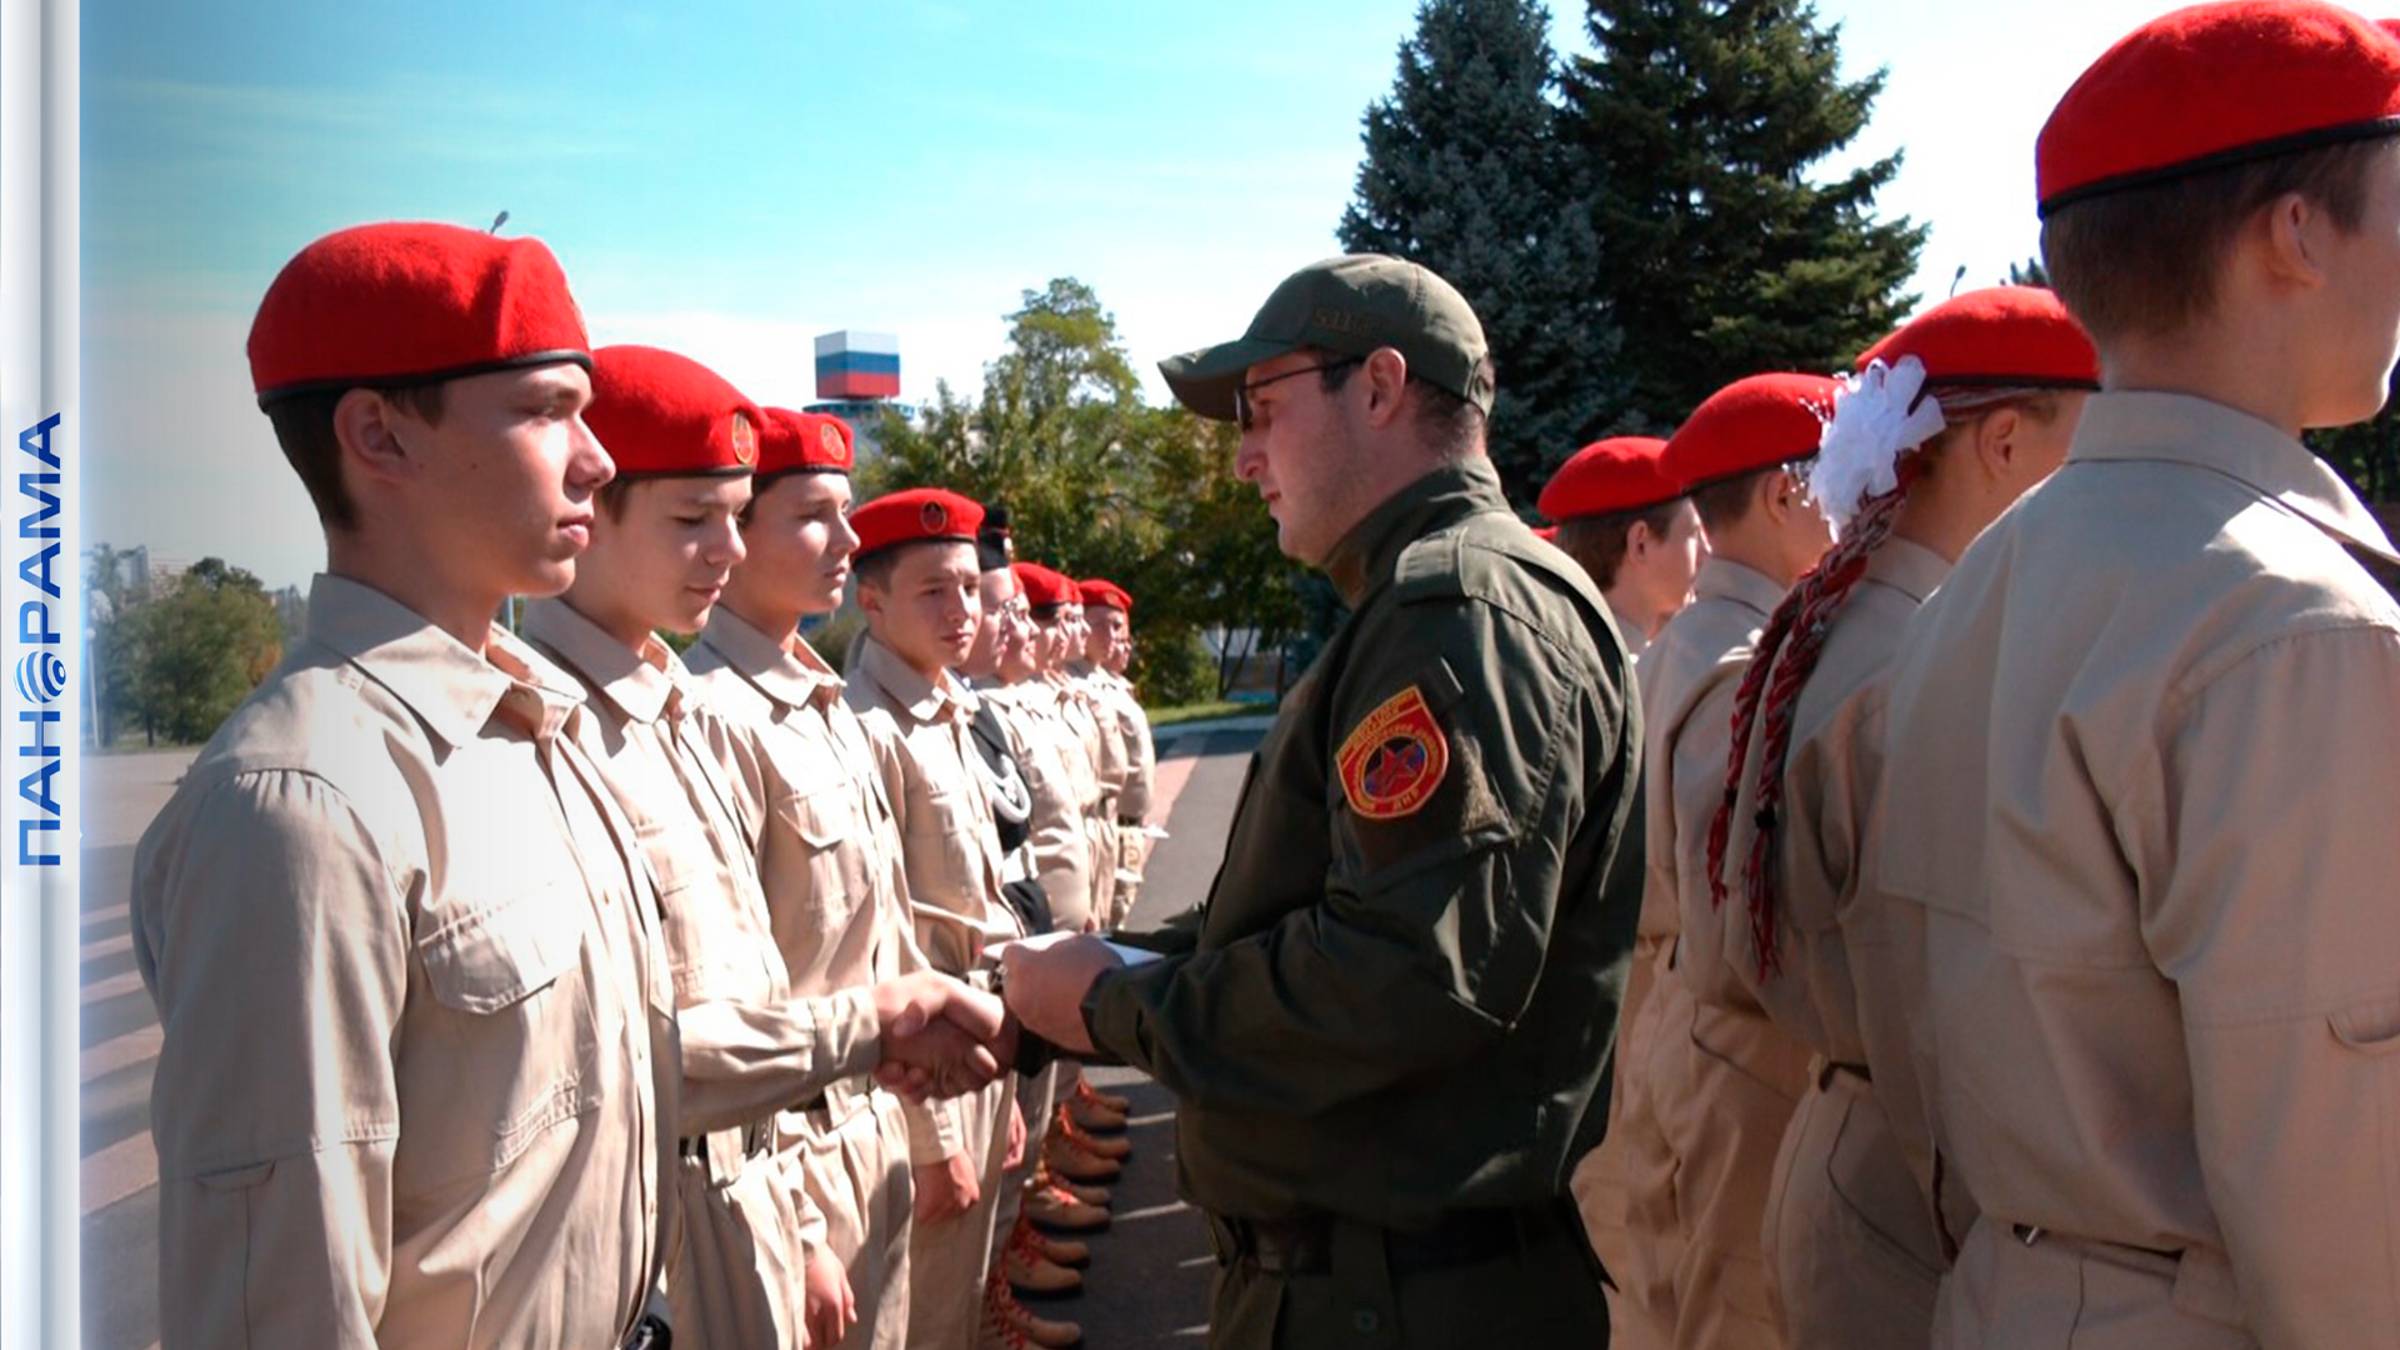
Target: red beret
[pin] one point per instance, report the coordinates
(2004, 336)
(804, 442)
(411, 303)
(1106, 594)
(1759, 422)
(658, 413)
(1045, 587)
(1619, 474)
(1546, 533)
(2217, 85)
(917, 515)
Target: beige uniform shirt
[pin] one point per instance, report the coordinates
(1111, 758)
(419, 1071)
(2141, 753)
(750, 1046)
(1063, 792)
(1141, 752)
(919, 731)
(826, 841)
(1829, 781)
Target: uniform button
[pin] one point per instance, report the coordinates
(1367, 1321)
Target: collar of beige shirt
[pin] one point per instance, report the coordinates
(642, 685)
(2182, 429)
(789, 673)
(1910, 568)
(451, 688)
(922, 699)
(1725, 579)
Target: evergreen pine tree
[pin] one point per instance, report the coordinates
(1700, 121)
(1464, 173)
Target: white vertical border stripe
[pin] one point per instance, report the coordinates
(40, 336)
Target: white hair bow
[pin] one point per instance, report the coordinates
(1877, 418)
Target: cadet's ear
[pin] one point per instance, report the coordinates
(870, 598)
(1996, 436)
(2295, 236)
(364, 427)
(1779, 494)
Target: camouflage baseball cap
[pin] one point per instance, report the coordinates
(1351, 306)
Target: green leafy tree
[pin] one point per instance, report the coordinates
(1705, 124)
(181, 661)
(1463, 173)
(1099, 483)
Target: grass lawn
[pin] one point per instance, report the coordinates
(1196, 712)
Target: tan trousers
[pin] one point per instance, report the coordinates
(947, 1260)
(1625, 1189)
(1853, 1258)
(850, 1158)
(2062, 1293)
(1727, 1084)
(1037, 1097)
(734, 1268)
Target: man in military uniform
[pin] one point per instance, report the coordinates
(418, 1083)
(664, 542)
(1387, 1024)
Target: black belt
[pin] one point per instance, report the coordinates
(1129, 822)
(1304, 1246)
(1857, 1071)
(648, 1334)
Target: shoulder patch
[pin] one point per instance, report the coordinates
(1393, 760)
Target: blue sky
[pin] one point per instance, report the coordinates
(733, 179)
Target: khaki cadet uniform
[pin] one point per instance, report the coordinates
(1385, 1028)
(1854, 1260)
(1706, 1091)
(749, 1046)
(1095, 724)
(465, 1139)
(2163, 984)
(829, 858)
(1141, 776)
(1636, 641)
(1064, 792)
(919, 732)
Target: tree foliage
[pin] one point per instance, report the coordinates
(178, 661)
(1463, 173)
(1724, 249)
(1099, 483)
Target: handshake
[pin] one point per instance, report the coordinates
(943, 1037)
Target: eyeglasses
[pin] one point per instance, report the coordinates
(1241, 392)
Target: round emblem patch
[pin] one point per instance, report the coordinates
(935, 517)
(745, 440)
(830, 441)
(1392, 761)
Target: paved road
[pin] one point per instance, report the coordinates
(1149, 1277)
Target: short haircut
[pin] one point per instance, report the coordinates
(1600, 542)
(304, 428)
(1454, 425)
(876, 568)
(2144, 261)
(1724, 503)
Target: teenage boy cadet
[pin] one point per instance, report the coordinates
(418, 1083)
(1947, 423)
(1108, 610)
(1080, 676)
(1386, 1026)
(920, 586)
(1040, 831)
(1632, 527)
(2138, 742)
(1707, 1095)
(664, 541)
(828, 852)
